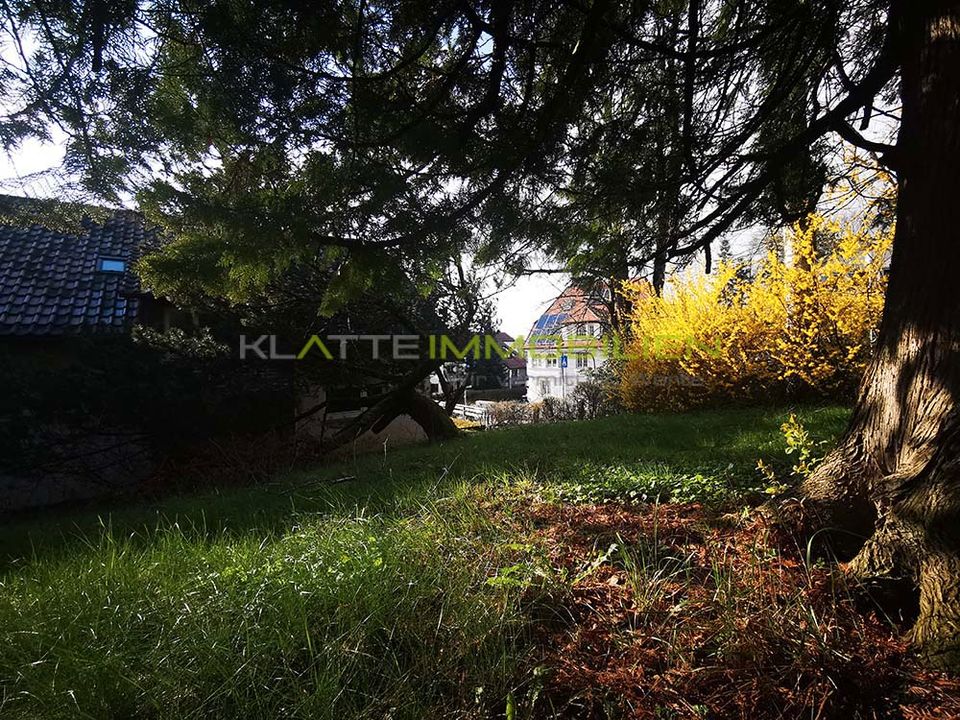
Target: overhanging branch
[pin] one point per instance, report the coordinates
(886, 154)
(734, 206)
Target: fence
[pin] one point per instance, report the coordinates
(478, 412)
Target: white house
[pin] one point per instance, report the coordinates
(565, 343)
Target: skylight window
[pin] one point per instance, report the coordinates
(115, 265)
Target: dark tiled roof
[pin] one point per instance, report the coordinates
(514, 362)
(50, 283)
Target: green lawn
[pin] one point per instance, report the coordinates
(377, 587)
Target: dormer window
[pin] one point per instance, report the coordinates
(111, 265)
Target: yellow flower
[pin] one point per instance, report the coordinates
(809, 320)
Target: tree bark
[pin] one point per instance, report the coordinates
(452, 394)
(402, 400)
(894, 478)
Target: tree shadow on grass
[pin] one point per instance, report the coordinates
(401, 481)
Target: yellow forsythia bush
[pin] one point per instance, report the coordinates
(800, 327)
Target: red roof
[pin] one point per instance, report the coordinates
(574, 305)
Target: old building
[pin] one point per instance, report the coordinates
(565, 344)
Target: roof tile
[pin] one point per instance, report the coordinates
(50, 285)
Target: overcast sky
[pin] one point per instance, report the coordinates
(520, 305)
(33, 156)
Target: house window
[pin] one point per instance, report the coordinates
(583, 361)
(114, 265)
(552, 362)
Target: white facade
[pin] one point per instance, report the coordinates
(546, 376)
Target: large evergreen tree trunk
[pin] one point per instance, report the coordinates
(895, 476)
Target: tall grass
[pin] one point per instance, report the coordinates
(362, 616)
(379, 587)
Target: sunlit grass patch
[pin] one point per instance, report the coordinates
(408, 584)
(337, 617)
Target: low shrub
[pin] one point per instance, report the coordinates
(169, 392)
(513, 412)
(590, 399)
